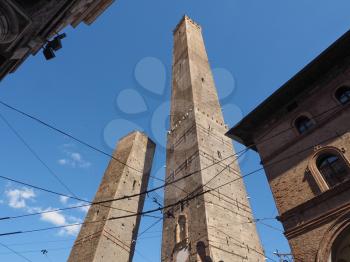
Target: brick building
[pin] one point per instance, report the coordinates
(102, 239)
(302, 135)
(27, 25)
(215, 226)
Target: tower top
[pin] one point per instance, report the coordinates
(188, 19)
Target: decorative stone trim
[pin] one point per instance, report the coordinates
(316, 222)
(341, 224)
(9, 23)
(321, 182)
(293, 219)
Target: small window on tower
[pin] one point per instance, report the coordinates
(343, 94)
(181, 229)
(219, 155)
(303, 124)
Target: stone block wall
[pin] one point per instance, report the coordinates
(104, 240)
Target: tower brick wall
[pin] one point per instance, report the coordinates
(103, 240)
(218, 225)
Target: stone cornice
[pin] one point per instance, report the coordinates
(330, 214)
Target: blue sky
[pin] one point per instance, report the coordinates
(115, 76)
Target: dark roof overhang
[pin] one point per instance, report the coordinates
(244, 131)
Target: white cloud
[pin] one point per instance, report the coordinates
(17, 197)
(58, 219)
(55, 218)
(64, 199)
(71, 230)
(62, 161)
(74, 159)
(84, 209)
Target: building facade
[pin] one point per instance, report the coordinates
(302, 135)
(104, 240)
(218, 225)
(27, 25)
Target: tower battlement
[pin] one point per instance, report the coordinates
(188, 19)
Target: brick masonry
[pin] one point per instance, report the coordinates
(114, 240)
(312, 216)
(219, 224)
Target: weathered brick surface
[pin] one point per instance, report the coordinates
(113, 240)
(221, 219)
(309, 214)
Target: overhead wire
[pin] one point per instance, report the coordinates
(68, 135)
(98, 221)
(101, 151)
(36, 155)
(222, 185)
(186, 199)
(97, 202)
(35, 251)
(255, 171)
(165, 207)
(77, 206)
(14, 131)
(15, 252)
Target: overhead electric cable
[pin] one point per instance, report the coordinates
(151, 226)
(69, 135)
(222, 185)
(98, 221)
(49, 169)
(35, 154)
(95, 203)
(102, 201)
(105, 153)
(225, 183)
(35, 251)
(15, 252)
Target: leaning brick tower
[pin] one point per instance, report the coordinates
(216, 226)
(102, 239)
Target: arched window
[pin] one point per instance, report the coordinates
(333, 168)
(343, 94)
(303, 124)
(181, 229)
(341, 248)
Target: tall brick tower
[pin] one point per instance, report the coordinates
(113, 240)
(217, 226)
